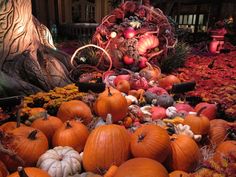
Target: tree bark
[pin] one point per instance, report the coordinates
(27, 52)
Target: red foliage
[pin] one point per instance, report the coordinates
(215, 77)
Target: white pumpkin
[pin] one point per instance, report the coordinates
(60, 162)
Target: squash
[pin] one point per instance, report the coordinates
(185, 154)
(200, 125)
(111, 103)
(48, 125)
(29, 172)
(141, 167)
(178, 174)
(28, 143)
(75, 109)
(150, 141)
(60, 162)
(106, 145)
(73, 133)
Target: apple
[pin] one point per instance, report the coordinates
(142, 62)
(128, 60)
(121, 77)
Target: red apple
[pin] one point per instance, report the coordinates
(210, 111)
(128, 60)
(121, 77)
(158, 113)
(157, 90)
(183, 107)
(129, 33)
(142, 62)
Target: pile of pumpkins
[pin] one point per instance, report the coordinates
(118, 145)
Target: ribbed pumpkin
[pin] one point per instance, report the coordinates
(106, 145)
(3, 169)
(9, 126)
(147, 42)
(73, 133)
(141, 167)
(48, 125)
(225, 150)
(150, 141)
(178, 174)
(221, 130)
(111, 102)
(29, 172)
(210, 111)
(199, 124)
(185, 154)
(75, 109)
(28, 143)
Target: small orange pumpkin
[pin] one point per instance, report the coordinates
(106, 145)
(141, 167)
(178, 173)
(168, 81)
(73, 133)
(111, 103)
(75, 109)
(48, 125)
(28, 143)
(150, 141)
(29, 172)
(199, 124)
(185, 154)
(123, 86)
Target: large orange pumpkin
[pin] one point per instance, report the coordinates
(73, 133)
(225, 150)
(150, 141)
(75, 109)
(141, 167)
(221, 130)
(178, 174)
(185, 154)
(3, 169)
(29, 144)
(48, 125)
(111, 103)
(198, 123)
(29, 172)
(106, 145)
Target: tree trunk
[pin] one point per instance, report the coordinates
(27, 52)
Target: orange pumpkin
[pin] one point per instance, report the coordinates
(178, 173)
(73, 133)
(221, 130)
(9, 126)
(141, 167)
(224, 151)
(150, 141)
(75, 109)
(210, 111)
(111, 171)
(48, 125)
(150, 72)
(123, 86)
(185, 154)
(36, 112)
(3, 169)
(168, 81)
(137, 93)
(29, 144)
(106, 145)
(29, 172)
(199, 124)
(111, 103)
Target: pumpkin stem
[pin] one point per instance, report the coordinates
(109, 119)
(68, 125)
(45, 117)
(109, 91)
(32, 135)
(22, 172)
(200, 111)
(141, 137)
